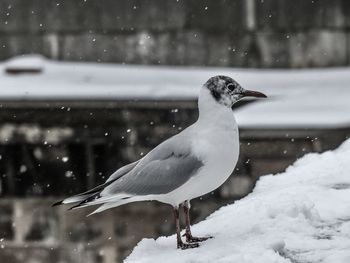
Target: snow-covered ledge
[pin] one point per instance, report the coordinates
(301, 215)
(308, 98)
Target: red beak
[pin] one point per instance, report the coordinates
(251, 93)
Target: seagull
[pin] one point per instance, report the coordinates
(190, 164)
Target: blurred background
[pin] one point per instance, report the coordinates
(87, 86)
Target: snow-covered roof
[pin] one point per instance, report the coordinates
(301, 215)
(297, 98)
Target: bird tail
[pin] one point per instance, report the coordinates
(122, 201)
(94, 197)
(109, 205)
(72, 199)
(91, 198)
(83, 197)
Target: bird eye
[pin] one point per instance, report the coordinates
(230, 86)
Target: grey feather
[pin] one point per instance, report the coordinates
(83, 197)
(165, 168)
(122, 171)
(161, 171)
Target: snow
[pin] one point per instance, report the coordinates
(297, 98)
(27, 62)
(301, 215)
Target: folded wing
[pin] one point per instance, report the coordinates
(161, 171)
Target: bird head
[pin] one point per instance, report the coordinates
(227, 91)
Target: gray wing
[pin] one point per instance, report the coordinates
(83, 197)
(122, 171)
(164, 169)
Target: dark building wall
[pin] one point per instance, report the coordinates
(62, 148)
(238, 33)
(49, 150)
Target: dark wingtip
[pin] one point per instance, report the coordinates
(57, 203)
(75, 206)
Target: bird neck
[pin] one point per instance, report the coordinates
(213, 113)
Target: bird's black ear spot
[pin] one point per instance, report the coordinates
(230, 86)
(215, 94)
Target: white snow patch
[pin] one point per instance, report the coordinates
(26, 62)
(301, 215)
(309, 98)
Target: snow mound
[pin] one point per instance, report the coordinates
(25, 64)
(301, 215)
